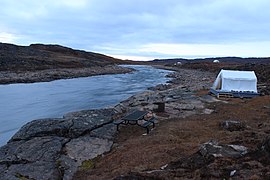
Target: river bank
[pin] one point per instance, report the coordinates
(47, 62)
(87, 143)
(91, 127)
(197, 137)
(69, 138)
(29, 101)
(8, 77)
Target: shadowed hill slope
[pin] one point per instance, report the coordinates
(41, 57)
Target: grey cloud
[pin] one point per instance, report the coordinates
(130, 23)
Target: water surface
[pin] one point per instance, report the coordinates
(21, 103)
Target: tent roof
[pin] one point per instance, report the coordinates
(228, 80)
(238, 75)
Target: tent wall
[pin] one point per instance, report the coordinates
(239, 85)
(218, 82)
(228, 80)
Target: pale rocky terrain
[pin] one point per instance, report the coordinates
(197, 137)
(62, 145)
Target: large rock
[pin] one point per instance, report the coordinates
(79, 150)
(212, 148)
(34, 170)
(71, 126)
(86, 121)
(32, 159)
(105, 132)
(44, 127)
(55, 148)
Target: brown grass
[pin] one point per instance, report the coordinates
(176, 138)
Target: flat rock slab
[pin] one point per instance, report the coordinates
(43, 127)
(55, 148)
(32, 159)
(87, 147)
(35, 170)
(105, 132)
(71, 126)
(188, 107)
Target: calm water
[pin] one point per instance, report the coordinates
(21, 103)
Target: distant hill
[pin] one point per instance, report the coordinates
(40, 57)
(264, 60)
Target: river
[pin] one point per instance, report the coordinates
(21, 103)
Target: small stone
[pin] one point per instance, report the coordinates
(208, 111)
(187, 107)
(232, 173)
(233, 125)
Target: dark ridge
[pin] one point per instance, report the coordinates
(260, 60)
(41, 57)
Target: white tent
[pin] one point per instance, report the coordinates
(241, 81)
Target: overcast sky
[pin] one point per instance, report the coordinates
(142, 29)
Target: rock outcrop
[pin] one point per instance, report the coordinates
(213, 161)
(55, 148)
(178, 101)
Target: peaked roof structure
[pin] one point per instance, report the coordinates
(229, 80)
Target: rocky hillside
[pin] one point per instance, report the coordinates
(41, 57)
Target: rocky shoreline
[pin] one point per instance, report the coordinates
(55, 148)
(86, 145)
(61, 146)
(8, 77)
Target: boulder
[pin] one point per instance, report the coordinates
(86, 121)
(233, 125)
(43, 127)
(33, 170)
(55, 148)
(33, 159)
(105, 132)
(71, 126)
(212, 148)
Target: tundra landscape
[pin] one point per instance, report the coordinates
(197, 135)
